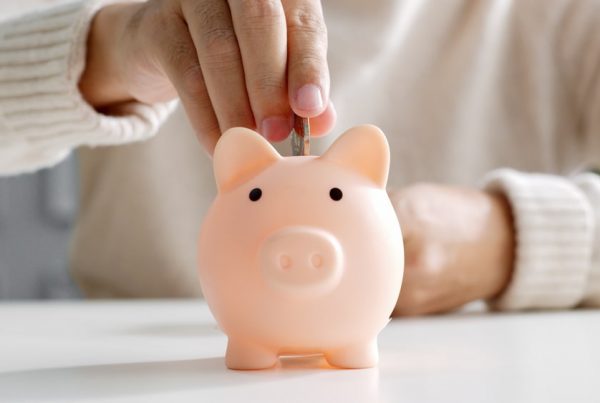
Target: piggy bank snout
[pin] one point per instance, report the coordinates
(302, 261)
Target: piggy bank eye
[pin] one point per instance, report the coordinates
(255, 194)
(336, 194)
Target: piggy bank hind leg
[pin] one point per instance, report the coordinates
(360, 355)
(244, 355)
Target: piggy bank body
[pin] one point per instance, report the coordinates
(301, 255)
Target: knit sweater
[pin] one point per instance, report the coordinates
(502, 95)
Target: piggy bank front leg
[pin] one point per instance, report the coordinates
(245, 355)
(360, 355)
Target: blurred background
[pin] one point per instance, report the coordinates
(37, 212)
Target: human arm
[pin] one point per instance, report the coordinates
(42, 113)
(75, 75)
(554, 214)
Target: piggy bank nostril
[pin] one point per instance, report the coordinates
(285, 262)
(316, 260)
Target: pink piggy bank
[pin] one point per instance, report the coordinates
(301, 255)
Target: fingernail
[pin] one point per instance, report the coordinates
(308, 99)
(275, 128)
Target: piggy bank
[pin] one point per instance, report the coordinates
(301, 255)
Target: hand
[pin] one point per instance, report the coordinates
(232, 63)
(459, 247)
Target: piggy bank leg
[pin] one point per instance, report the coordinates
(361, 355)
(243, 355)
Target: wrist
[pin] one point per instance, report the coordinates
(502, 237)
(101, 83)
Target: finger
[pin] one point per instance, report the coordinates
(308, 73)
(324, 123)
(319, 125)
(177, 56)
(261, 34)
(212, 32)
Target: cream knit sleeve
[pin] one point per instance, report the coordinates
(42, 114)
(557, 225)
(557, 219)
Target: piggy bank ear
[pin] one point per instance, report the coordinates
(363, 149)
(241, 154)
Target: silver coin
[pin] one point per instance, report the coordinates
(301, 136)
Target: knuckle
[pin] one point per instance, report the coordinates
(214, 28)
(208, 13)
(303, 20)
(192, 81)
(224, 58)
(260, 10)
(260, 16)
(267, 83)
(213, 19)
(155, 25)
(220, 48)
(219, 39)
(309, 63)
(146, 20)
(179, 53)
(135, 22)
(154, 14)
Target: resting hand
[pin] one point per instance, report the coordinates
(458, 246)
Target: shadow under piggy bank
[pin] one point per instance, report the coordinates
(204, 379)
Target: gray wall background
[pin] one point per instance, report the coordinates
(36, 215)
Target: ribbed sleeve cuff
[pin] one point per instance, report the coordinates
(42, 113)
(589, 183)
(554, 236)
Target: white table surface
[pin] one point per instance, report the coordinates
(172, 351)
